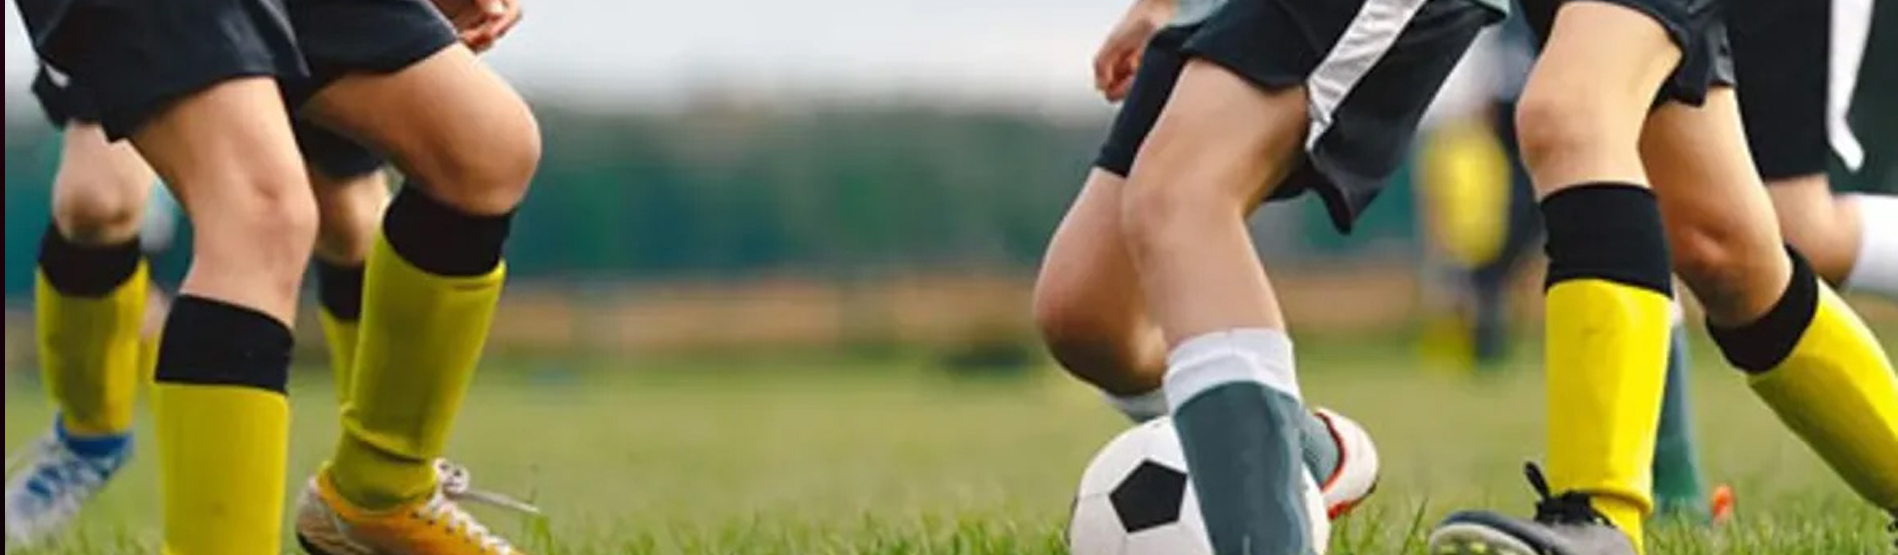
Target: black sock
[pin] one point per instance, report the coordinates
(86, 270)
(339, 289)
(441, 239)
(211, 342)
(1760, 346)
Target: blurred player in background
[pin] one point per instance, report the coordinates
(1239, 113)
(1087, 298)
(99, 311)
(1594, 133)
(210, 116)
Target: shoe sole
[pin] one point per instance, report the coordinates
(1471, 539)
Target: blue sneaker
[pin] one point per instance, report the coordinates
(52, 477)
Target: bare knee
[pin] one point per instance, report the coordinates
(1095, 348)
(99, 206)
(1734, 273)
(257, 222)
(1551, 128)
(486, 174)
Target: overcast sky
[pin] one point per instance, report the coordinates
(1030, 52)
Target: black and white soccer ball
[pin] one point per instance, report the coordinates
(1137, 499)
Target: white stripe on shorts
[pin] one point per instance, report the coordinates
(1364, 42)
(1851, 24)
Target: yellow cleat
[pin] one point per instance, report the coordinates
(328, 525)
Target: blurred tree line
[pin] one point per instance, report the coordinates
(731, 191)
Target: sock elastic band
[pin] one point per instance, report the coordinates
(1608, 231)
(1252, 355)
(339, 289)
(1760, 346)
(86, 270)
(212, 342)
(441, 239)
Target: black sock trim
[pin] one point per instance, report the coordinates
(441, 239)
(339, 289)
(86, 270)
(1609, 231)
(1760, 346)
(211, 342)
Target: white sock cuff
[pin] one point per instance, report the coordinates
(1676, 314)
(1254, 355)
(1140, 407)
(1876, 269)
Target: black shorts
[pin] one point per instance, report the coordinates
(1698, 27)
(1370, 68)
(64, 101)
(1781, 63)
(133, 57)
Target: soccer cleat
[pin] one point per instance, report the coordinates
(1564, 525)
(1356, 476)
(49, 482)
(327, 525)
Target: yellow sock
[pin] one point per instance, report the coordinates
(223, 423)
(420, 338)
(1608, 332)
(89, 352)
(340, 335)
(222, 456)
(1607, 352)
(1837, 390)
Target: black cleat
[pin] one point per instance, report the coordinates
(1564, 525)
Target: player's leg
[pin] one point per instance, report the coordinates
(1609, 285)
(1805, 351)
(1216, 151)
(435, 275)
(468, 146)
(91, 292)
(209, 118)
(1087, 301)
(89, 306)
(351, 191)
(1231, 134)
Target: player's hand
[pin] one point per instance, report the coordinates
(480, 23)
(1119, 55)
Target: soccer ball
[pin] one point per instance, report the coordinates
(1136, 499)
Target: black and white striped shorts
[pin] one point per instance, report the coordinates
(1370, 68)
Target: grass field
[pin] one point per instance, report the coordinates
(807, 455)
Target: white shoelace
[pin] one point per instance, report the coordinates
(456, 485)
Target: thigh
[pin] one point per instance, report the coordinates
(447, 118)
(1698, 60)
(1087, 268)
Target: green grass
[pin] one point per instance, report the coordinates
(806, 456)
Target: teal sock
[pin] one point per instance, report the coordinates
(1677, 484)
(1241, 425)
(1321, 450)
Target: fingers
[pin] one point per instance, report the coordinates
(489, 24)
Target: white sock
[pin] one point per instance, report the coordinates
(1876, 270)
(1248, 355)
(1140, 407)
